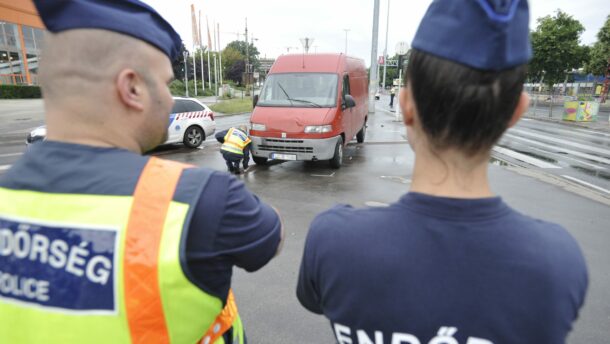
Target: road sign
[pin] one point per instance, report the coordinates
(256, 75)
(402, 48)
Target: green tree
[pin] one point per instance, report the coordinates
(178, 64)
(233, 64)
(556, 48)
(252, 51)
(600, 52)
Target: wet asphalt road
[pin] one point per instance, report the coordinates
(378, 172)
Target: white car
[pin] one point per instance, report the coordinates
(190, 122)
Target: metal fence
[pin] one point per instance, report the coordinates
(550, 104)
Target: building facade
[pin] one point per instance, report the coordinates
(21, 40)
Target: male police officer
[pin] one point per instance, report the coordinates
(235, 147)
(449, 262)
(99, 244)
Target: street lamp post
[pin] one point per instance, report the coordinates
(385, 50)
(374, 79)
(186, 78)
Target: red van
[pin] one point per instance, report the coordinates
(309, 108)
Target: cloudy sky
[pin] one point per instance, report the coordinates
(279, 24)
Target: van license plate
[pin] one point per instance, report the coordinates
(283, 156)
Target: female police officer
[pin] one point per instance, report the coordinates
(449, 262)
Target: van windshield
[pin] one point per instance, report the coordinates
(299, 90)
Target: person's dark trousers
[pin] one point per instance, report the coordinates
(232, 160)
(391, 100)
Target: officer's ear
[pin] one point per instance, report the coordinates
(130, 87)
(520, 109)
(407, 105)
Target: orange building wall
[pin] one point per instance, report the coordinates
(20, 12)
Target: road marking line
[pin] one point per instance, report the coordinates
(565, 142)
(4, 167)
(582, 136)
(586, 183)
(10, 154)
(569, 158)
(562, 149)
(397, 178)
(525, 158)
(324, 175)
(375, 204)
(592, 132)
(13, 141)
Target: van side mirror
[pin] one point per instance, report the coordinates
(254, 100)
(348, 102)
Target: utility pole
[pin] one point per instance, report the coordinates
(606, 84)
(201, 55)
(306, 42)
(195, 41)
(209, 48)
(346, 31)
(220, 55)
(186, 78)
(247, 69)
(385, 50)
(373, 81)
(215, 64)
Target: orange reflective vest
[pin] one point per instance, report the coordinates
(150, 299)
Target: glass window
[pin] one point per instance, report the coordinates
(346, 88)
(3, 61)
(179, 106)
(33, 67)
(15, 62)
(28, 38)
(192, 106)
(10, 35)
(2, 39)
(299, 90)
(39, 38)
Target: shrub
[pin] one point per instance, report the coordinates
(177, 89)
(19, 92)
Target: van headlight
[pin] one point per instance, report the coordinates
(261, 127)
(318, 129)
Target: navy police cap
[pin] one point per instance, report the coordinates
(129, 17)
(483, 34)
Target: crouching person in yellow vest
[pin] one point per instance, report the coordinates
(99, 244)
(235, 147)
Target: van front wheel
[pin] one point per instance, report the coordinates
(259, 160)
(337, 159)
(361, 134)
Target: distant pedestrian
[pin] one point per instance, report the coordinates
(235, 147)
(392, 95)
(450, 262)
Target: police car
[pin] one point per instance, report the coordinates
(190, 122)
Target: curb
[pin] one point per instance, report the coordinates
(569, 123)
(220, 114)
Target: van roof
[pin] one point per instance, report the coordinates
(321, 63)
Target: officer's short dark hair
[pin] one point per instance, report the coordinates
(462, 107)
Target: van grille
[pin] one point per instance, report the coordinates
(287, 149)
(284, 141)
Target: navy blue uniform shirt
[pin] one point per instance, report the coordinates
(430, 267)
(230, 226)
